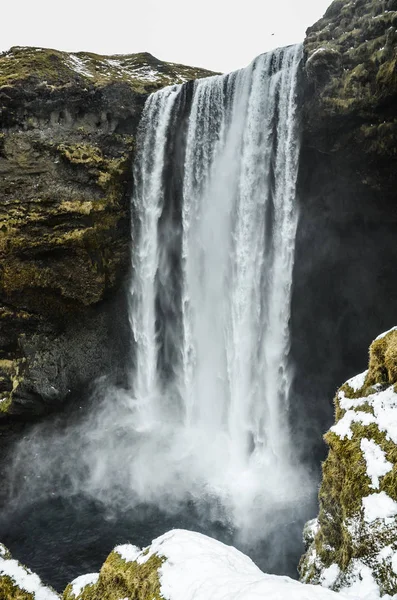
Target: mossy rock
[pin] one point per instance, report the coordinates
(345, 540)
(383, 360)
(120, 578)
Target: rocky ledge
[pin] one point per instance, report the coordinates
(352, 546)
(67, 127)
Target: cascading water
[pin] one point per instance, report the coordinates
(200, 437)
(218, 426)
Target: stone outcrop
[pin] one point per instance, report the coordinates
(353, 542)
(67, 127)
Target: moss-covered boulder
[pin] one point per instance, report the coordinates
(20, 583)
(67, 134)
(353, 542)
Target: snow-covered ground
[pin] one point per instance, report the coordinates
(197, 567)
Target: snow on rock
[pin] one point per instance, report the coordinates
(24, 579)
(198, 568)
(330, 575)
(78, 65)
(82, 582)
(377, 465)
(343, 428)
(385, 333)
(128, 552)
(357, 382)
(357, 523)
(384, 406)
(379, 506)
(361, 583)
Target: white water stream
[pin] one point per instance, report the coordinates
(218, 427)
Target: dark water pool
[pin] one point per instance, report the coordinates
(62, 538)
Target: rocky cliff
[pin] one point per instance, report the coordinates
(67, 127)
(346, 251)
(353, 543)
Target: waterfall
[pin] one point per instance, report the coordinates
(213, 253)
(202, 429)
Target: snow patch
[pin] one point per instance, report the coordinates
(78, 65)
(362, 583)
(81, 582)
(330, 575)
(375, 457)
(385, 333)
(343, 427)
(26, 580)
(378, 506)
(384, 405)
(128, 552)
(198, 567)
(394, 563)
(357, 382)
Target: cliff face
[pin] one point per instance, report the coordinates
(346, 251)
(67, 126)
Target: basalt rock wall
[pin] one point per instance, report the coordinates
(344, 281)
(67, 134)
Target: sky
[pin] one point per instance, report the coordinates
(220, 35)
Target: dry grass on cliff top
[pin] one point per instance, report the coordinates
(53, 68)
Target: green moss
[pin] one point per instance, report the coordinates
(9, 590)
(345, 482)
(387, 75)
(383, 361)
(120, 579)
(81, 154)
(53, 68)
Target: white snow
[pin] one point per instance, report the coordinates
(378, 506)
(330, 575)
(199, 568)
(384, 334)
(128, 552)
(394, 562)
(375, 457)
(348, 403)
(2, 550)
(357, 382)
(81, 582)
(78, 65)
(362, 584)
(26, 580)
(343, 426)
(384, 405)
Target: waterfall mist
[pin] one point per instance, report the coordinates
(204, 420)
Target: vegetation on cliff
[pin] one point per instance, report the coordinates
(355, 535)
(351, 69)
(52, 68)
(67, 130)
